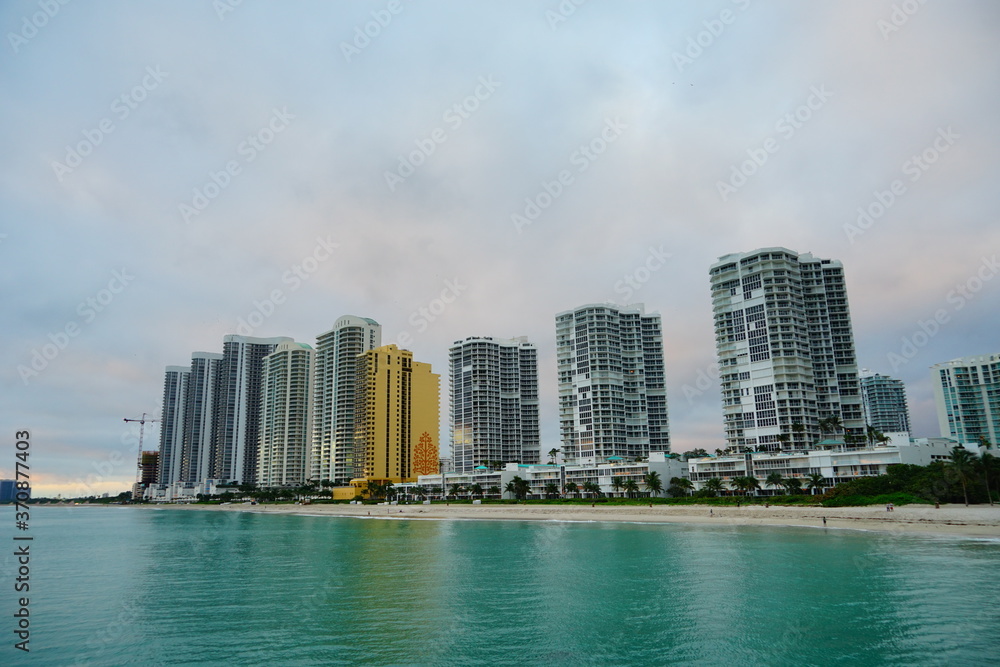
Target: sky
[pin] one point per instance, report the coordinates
(172, 172)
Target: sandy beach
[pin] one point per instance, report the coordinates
(949, 520)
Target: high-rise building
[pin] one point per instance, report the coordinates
(337, 350)
(884, 401)
(967, 393)
(237, 407)
(612, 392)
(199, 417)
(172, 424)
(787, 365)
(286, 424)
(494, 402)
(396, 423)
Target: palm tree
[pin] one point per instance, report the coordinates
(783, 439)
(815, 481)
(830, 424)
(521, 488)
(593, 488)
(752, 484)
(630, 488)
(653, 483)
(389, 489)
(571, 488)
(739, 483)
(775, 480)
(552, 455)
(963, 464)
(683, 484)
(792, 485)
(551, 490)
(714, 485)
(616, 484)
(419, 492)
(511, 488)
(476, 490)
(456, 489)
(989, 465)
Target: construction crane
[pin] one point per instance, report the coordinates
(138, 468)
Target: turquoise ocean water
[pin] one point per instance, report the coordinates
(127, 586)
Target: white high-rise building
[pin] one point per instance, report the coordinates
(238, 399)
(337, 350)
(286, 426)
(612, 392)
(786, 349)
(884, 401)
(199, 417)
(967, 394)
(494, 401)
(172, 424)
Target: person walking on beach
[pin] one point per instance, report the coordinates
(824, 521)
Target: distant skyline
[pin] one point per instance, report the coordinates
(173, 172)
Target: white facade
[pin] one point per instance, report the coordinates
(835, 464)
(199, 417)
(541, 475)
(612, 392)
(494, 401)
(286, 425)
(884, 401)
(967, 394)
(785, 347)
(175, 385)
(238, 394)
(337, 350)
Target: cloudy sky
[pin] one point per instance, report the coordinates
(173, 171)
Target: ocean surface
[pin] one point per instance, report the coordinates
(130, 586)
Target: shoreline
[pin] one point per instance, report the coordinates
(977, 521)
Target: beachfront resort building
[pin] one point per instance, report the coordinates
(175, 385)
(199, 417)
(396, 417)
(542, 477)
(834, 463)
(337, 350)
(286, 424)
(494, 401)
(612, 392)
(967, 394)
(787, 365)
(237, 407)
(883, 400)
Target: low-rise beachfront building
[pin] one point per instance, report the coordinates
(540, 476)
(834, 461)
(184, 492)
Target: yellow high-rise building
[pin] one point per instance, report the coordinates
(396, 427)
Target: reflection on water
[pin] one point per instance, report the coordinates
(130, 586)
